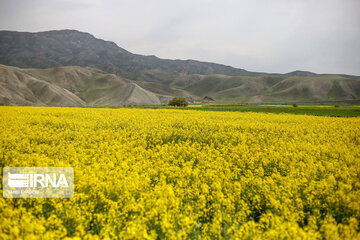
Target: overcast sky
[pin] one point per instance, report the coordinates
(322, 36)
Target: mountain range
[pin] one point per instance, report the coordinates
(72, 68)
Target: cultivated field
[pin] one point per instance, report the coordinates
(314, 110)
(174, 174)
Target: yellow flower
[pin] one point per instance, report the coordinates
(174, 174)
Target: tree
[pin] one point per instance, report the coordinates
(178, 101)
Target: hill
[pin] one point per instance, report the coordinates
(249, 89)
(70, 86)
(75, 68)
(71, 47)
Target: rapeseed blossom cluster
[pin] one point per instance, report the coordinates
(173, 174)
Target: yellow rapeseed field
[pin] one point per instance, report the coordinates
(173, 174)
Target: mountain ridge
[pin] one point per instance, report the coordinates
(49, 53)
(151, 57)
(99, 53)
